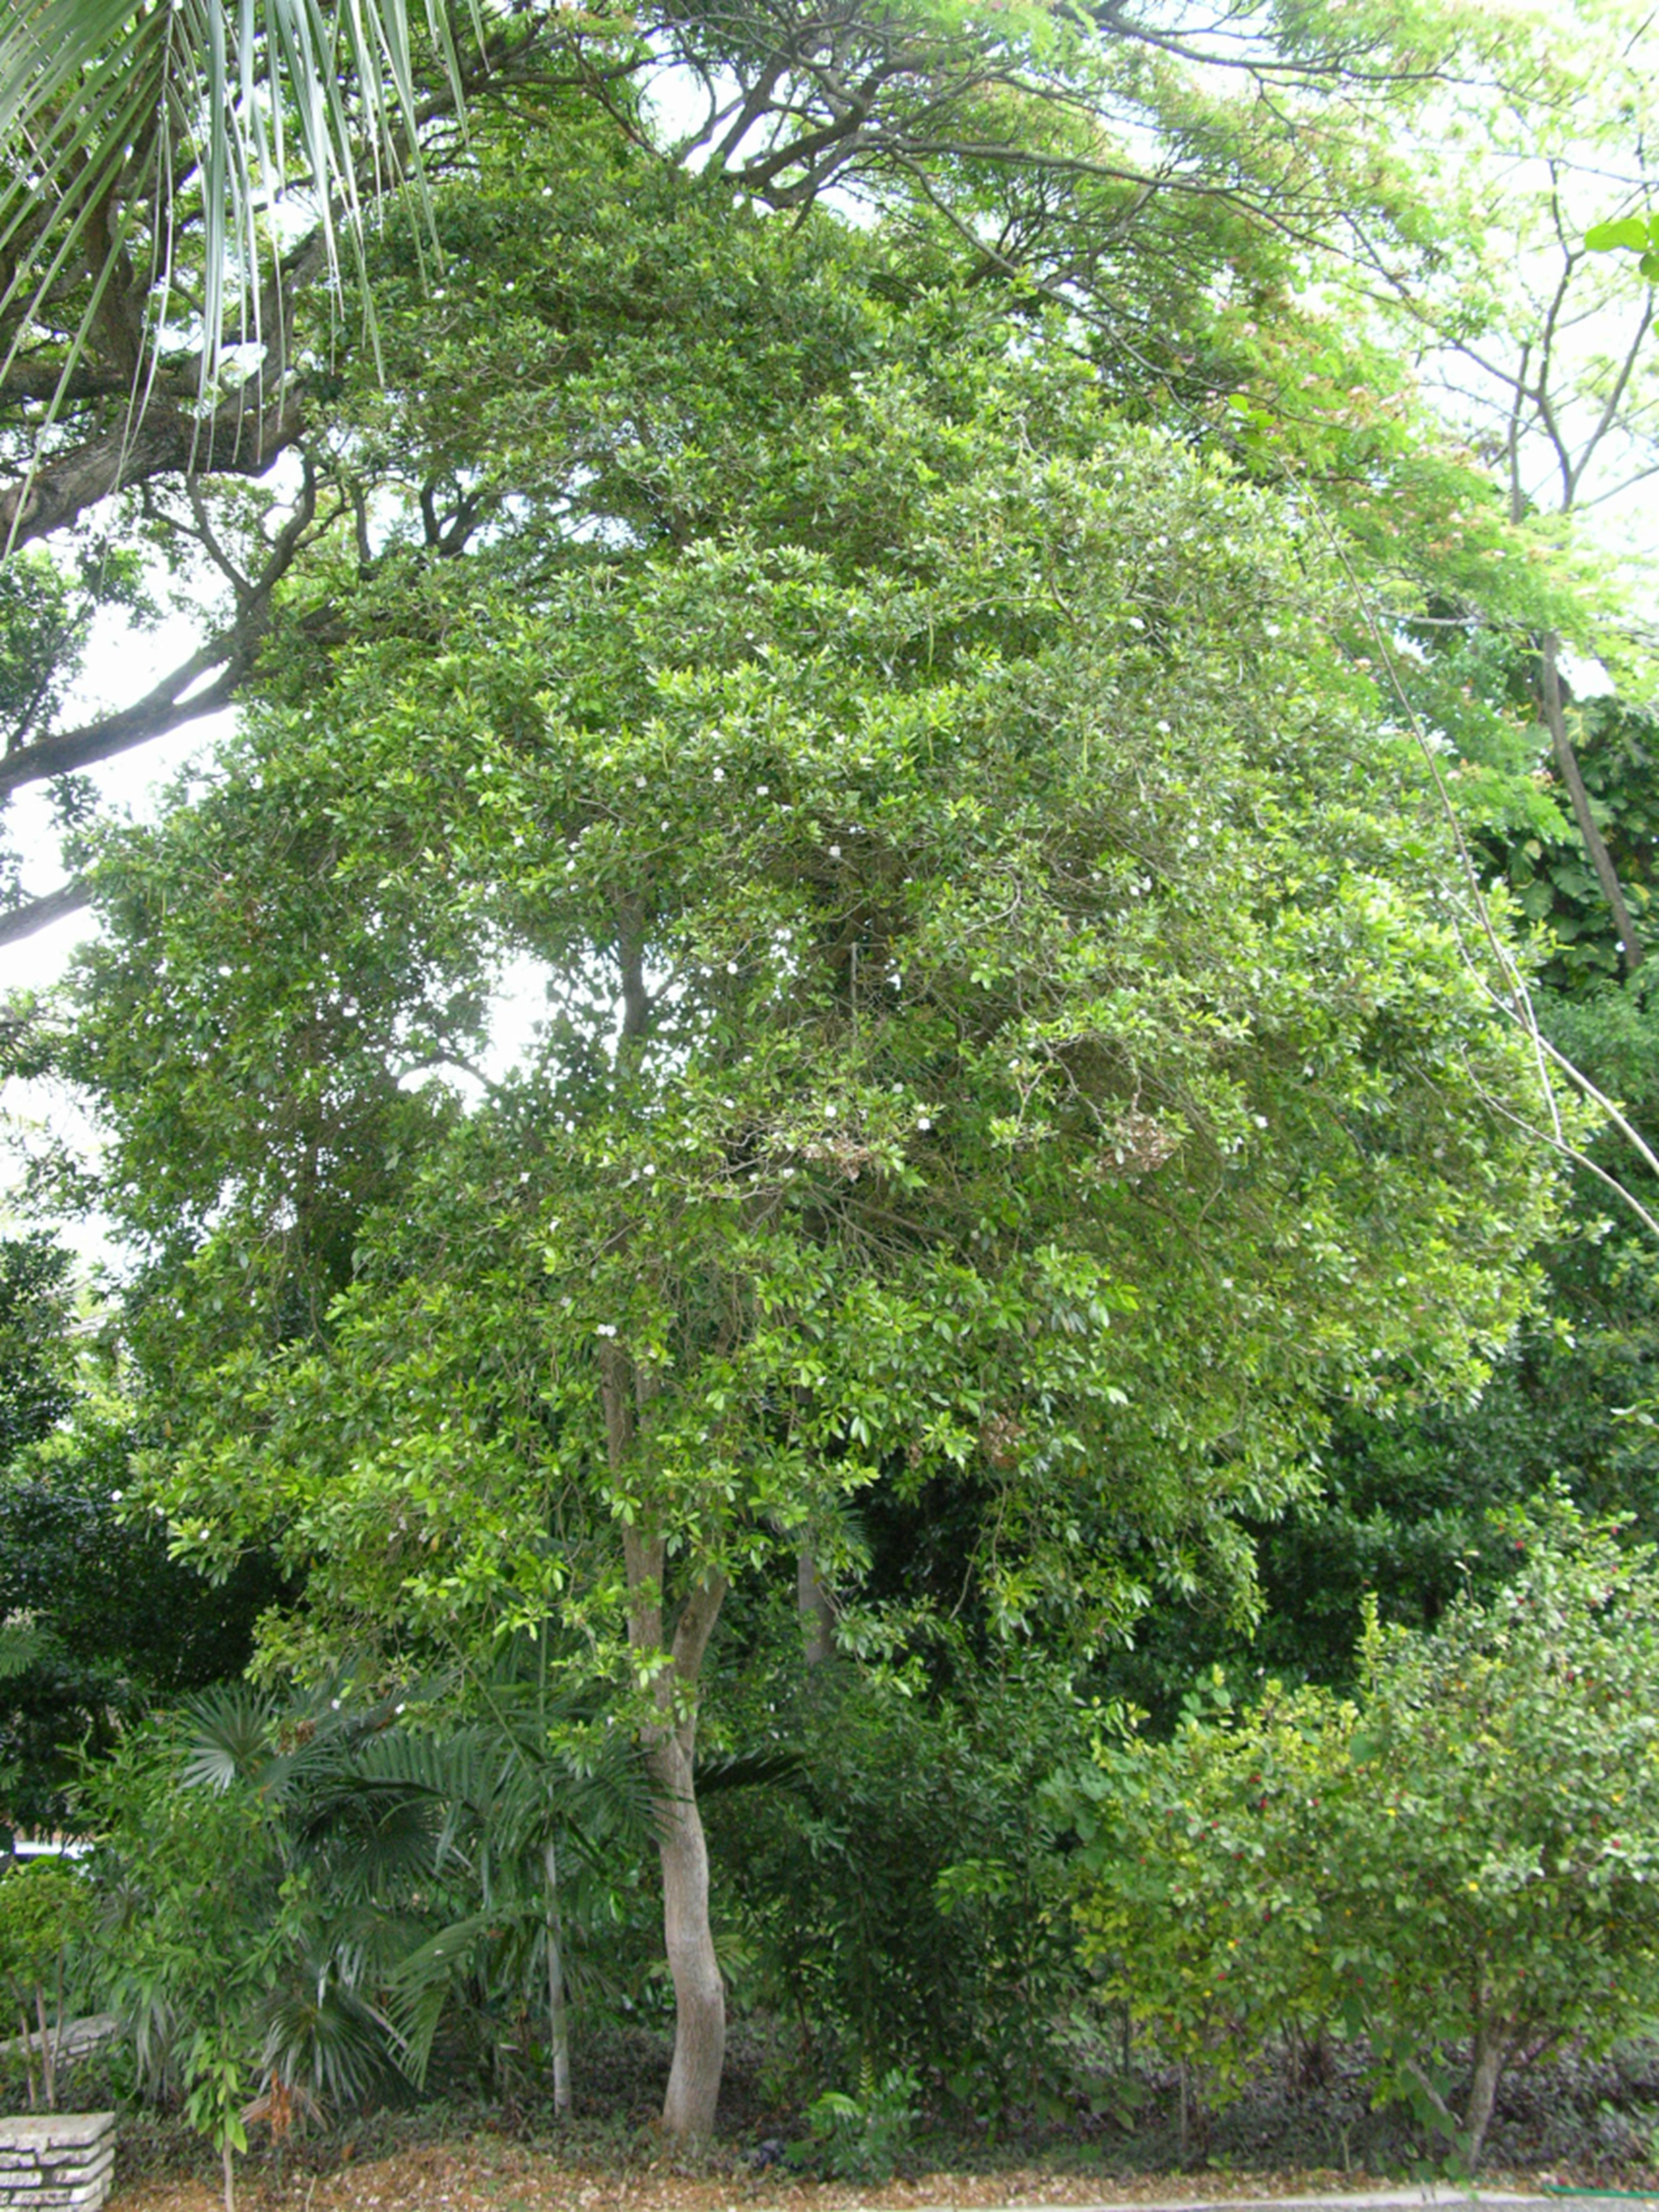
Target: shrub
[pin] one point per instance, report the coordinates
(45, 1908)
(1469, 1856)
(863, 2138)
(1196, 1891)
(900, 1896)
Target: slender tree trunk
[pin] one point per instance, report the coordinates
(1566, 760)
(227, 2158)
(669, 1743)
(48, 2056)
(1490, 2050)
(58, 2021)
(816, 1610)
(694, 2080)
(558, 2023)
(28, 2047)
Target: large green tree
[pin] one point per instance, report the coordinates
(1014, 1024)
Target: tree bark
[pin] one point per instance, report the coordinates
(670, 1744)
(1490, 2050)
(237, 440)
(816, 1610)
(693, 2079)
(1555, 720)
(558, 2020)
(20, 922)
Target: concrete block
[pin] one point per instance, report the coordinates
(55, 2162)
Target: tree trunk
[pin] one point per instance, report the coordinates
(228, 2157)
(48, 2056)
(1490, 2052)
(1555, 719)
(28, 2049)
(694, 2081)
(816, 1610)
(670, 1744)
(558, 2022)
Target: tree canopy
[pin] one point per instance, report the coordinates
(937, 629)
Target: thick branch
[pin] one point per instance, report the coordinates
(174, 702)
(235, 440)
(46, 380)
(153, 716)
(39, 913)
(696, 1625)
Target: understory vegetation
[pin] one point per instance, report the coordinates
(994, 1486)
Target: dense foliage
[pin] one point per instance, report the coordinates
(1460, 1859)
(1011, 745)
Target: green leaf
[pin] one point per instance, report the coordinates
(1631, 233)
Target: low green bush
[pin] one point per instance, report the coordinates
(863, 2137)
(46, 1908)
(1461, 1863)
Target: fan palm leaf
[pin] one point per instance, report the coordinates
(148, 147)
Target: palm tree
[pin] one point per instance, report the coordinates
(492, 1811)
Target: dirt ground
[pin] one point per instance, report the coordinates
(487, 2174)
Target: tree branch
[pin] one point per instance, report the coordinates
(236, 440)
(36, 914)
(152, 716)
(1629, 945)
(173, 702)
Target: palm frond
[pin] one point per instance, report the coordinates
(231, 1737)
(134, 135)
(323, 2037)
(22, 1645)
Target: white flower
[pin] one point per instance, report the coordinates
(604, 1328)
(835, 852)
(719, 774)
(761, 790)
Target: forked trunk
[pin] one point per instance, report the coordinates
(694, 2080)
